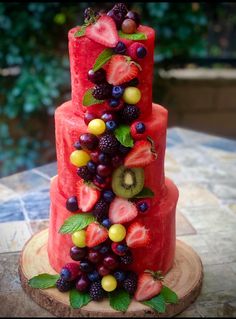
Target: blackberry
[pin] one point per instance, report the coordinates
(63, 285)
(96, 292)
(85, 173)
(108, 144)
(102, 91)
(130, 282)
(100, 210)
(129, 113)
(121, 8)
(127, 259)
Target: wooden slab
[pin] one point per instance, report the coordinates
(185, 278)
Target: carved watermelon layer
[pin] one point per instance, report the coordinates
(70, 126)
(83, 53)
(159, 254)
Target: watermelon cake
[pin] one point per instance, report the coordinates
(112, 216)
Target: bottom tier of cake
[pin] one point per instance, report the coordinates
(158, 255)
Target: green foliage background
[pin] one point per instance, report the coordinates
(34, 67)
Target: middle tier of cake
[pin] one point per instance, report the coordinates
(70, 126)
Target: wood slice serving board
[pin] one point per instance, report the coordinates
(185, 278)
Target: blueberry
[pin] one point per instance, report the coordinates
(108, 195)
(140, 127)
(119, 275)
(122, 248)
(86, 266)
(91, 166)
(143, 207)
(111, 125)
(117, 91)
(104, 249)
(77, 145)
(65, 274)
(120, 48)
(93, 276)
(106, 223)
(141, 52)
(114, 102)
(72, 204)
(104, 158)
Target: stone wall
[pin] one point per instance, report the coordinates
(201, 99)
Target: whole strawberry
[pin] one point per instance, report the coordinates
(149, 285)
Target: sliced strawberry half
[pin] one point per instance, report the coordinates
(103, 31)
(122, 211)
(121, 69)
(149, 285)
(95, 234)
(87, 196)
(137, 235)
(142, 154)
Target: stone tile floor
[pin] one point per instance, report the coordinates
(204, 169)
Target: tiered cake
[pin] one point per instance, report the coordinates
(110, 141)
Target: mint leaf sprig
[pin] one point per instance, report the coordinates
(122, 134)
(43, 281)
(119, 300)
(76, 222)
(78, 299)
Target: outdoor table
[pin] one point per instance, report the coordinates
(203, 167)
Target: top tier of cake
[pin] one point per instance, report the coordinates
(83, 54)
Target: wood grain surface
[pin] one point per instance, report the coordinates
(185, 278)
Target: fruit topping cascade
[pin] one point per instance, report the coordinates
(109, 160)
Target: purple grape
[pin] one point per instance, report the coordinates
(72, 204)
(88, 117)
(77, 253)
(103, 170)
(134, 16)
(82, 283)
(97, 77)
(107, 116)
(110, 261)
(88, 141)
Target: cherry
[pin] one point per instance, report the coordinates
(110, 261)
(103, 170)
(102, 270)
(77, 253)
(88, 141)
(82, 283)
(88, 117)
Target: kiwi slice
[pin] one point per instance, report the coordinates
(127, 182)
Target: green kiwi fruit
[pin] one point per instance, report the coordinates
(127, 182)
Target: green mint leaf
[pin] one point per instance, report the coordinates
(119, 300)
(169, 295)
(89, 100)
(122, 134)
(43, 281)
(78, 299)
(134, 36)
(102, 59)
(80, 32)
(157, 303)
(76, 222)
(145, 192)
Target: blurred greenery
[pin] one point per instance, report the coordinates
(34, 65)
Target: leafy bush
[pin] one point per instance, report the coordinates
(34, 74)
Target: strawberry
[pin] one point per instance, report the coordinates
(137, 235)
(138, 130)
(122, 211)
(95, 234)
(121, 69)
(103, 31)
(142, 154)
(149, 285)
(87, 196)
